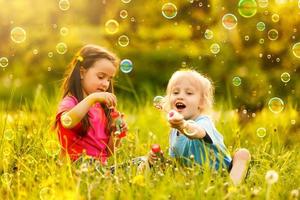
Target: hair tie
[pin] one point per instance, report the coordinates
(79, 58)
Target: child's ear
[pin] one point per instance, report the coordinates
(82, 72)
(201, 104)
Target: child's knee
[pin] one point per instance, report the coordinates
(242, 154)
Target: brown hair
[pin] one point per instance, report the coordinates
(85, 58)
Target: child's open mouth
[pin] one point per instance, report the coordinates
(180, 106)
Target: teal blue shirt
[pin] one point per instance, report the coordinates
(213, 150)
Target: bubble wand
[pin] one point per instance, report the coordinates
(117, 122)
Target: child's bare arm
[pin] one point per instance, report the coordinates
(191, 130)
(70, 118)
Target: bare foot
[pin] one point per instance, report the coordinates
(240, 162)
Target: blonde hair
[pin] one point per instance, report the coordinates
(205, 86)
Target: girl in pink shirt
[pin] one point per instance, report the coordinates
(85, 117)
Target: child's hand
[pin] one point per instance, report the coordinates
(176, 120)
(153, 157)
(105, 97)
(124, 126)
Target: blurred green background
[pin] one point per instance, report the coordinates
(157, 46)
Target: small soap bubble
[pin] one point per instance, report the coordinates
(215, 48)
(64, 31)
(123, 14)
(236, 81)
(276, 105)
(6, 178)
(261, 40)
(263, 3)
(64, 5)
(296, 49)
(35, 51)
(111, 26)
(8, 134)
(158, 102)
(46, 193)
(260, 26)
(275, 17)
(18, 35)
(126, 66)
(261, 132)
(285, 77)
(169, 10)
(126, 1)
(66, 120)
(273, 34)
(3, 62)
(61, 48)
(50, 54)
(208, 34)
(188, 129)
(52, 148)
(123, 40)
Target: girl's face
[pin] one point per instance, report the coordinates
(185, 98)
(98, 77)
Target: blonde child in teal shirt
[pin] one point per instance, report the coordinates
(190, 96)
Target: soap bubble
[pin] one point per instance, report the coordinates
(52, 148)
(189, 129)
(126, 1)
(208, 34)
(263, 3)
(66, 120)
(47, 193)
(260, 26)
(275, 17)
(273, 34)
(126, 66)
(61, 48)
(296, 49)
(8, 134)
(123, 41)
(64, 5)
(169, 10)
(229, 21)
(18, 35)
(261, 132)
(3, 62)
(285, 77)
(158, 102)
(64, 31)
(215, 48)
(247, 8)
(236, 81)
(276, 105)
(50, 54)
(111, 26)
(6, 178)
(123, 14)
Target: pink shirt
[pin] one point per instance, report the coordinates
(94, 142)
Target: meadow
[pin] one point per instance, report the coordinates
(250, 49)
(31, 166)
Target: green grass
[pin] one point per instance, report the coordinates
(31, 168)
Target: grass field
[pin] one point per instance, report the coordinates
(31, 168)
